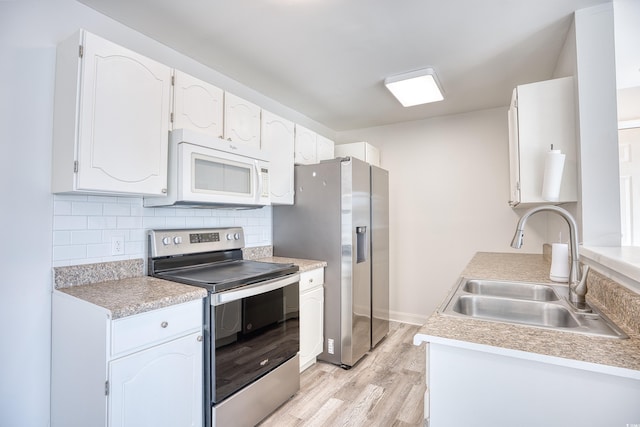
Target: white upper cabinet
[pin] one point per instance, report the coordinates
(241, 121)
(111, 122)
(197, 105)
(360, 150)
(305, 146)
(324, 148)
(542, 114)
(311, 148)
(278, 141)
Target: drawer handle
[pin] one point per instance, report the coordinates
(200, 338)
(164, 324)
(311, 280)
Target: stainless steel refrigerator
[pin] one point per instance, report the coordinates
(340, 215)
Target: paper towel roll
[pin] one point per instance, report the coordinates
(553, 167)
(559, 262)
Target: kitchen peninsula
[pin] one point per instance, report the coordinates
(508, 374)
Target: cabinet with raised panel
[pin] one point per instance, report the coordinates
(111, 121)
(241, 121)
(311, 316)
(144, 369)
(278, 140)
(197, 105)
(311, 148)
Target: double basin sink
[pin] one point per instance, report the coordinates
(532, 304)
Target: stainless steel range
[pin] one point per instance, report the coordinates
(251, 320)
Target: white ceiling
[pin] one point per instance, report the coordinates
(327, 59)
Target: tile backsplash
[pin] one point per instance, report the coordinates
(83, 226)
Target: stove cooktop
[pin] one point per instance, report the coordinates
(225, 275)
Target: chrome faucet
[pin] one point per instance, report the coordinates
(577, 279)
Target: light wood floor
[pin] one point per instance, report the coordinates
(386, 388)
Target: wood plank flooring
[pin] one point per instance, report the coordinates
(385, 388)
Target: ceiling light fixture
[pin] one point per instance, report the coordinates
(416, 87)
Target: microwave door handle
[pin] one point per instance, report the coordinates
(259, 181)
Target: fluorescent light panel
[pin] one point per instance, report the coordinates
(415, 88)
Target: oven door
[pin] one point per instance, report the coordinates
(207, 175)
(254, 329)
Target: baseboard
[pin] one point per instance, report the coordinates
(413, 319)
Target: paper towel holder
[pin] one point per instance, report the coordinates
(552, 175)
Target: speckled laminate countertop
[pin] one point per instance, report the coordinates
(618, 303)
(135, 295)
(303, 264)
(121, 288)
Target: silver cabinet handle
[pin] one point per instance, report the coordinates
(164, 324)
(200, 338)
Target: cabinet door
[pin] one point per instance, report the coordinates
(161, 386)
(278, 141)
(324, 148)
(311, 325)
(241, 121)
(305, 146)
(197, 106)
(545, 117)
(514, 154)
(124, 120)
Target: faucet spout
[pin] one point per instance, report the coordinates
(577, 281)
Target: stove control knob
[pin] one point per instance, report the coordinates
(236, 236)
(229, 236)
(166, 241)
(177, 240)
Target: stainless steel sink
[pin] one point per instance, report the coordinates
(512, 310)
(526, 291)
(531, 304)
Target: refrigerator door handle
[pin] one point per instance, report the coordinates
(361, 244)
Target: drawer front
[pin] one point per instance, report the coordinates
(311, 279)
(147, 329)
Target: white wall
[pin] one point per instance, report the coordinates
(599, 164)
(449, 192)
(29, 32)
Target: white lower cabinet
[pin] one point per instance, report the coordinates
(161, 386)
(141, 370)
(311, 316)
(485, 386)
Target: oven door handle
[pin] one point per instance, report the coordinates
(255, 289)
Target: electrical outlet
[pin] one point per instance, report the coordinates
(330, 349)
(117, 245)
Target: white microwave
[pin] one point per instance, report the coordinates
(213, 172)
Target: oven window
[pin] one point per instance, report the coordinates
(253, 336)
(218, 176)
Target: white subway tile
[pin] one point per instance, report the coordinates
(86, 236)
(101, 222)
(61, 238)
(99, 250)
(178, 222)
(61, 207)
(194, 222)
(86, 208)
(154, 222)
(69, 222)
(103, 199)
(129, 222)
(117, 209)
(69, 252)
(70, 197)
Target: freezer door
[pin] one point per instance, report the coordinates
(356, 261)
